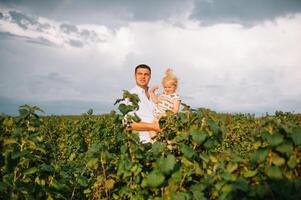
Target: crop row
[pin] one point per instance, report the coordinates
(200, 154)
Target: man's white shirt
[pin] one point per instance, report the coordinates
(145, 111)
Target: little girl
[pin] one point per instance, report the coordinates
(168, 100)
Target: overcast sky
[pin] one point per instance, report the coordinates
(67, 56)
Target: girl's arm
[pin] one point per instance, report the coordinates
(176, 106)
(153, 96)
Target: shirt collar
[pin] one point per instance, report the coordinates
(141, 89)
(168, 94)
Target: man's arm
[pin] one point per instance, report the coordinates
(144, 126)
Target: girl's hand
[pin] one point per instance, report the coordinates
(154, 88)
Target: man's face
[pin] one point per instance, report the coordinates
(142, 77)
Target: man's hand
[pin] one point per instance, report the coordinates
(157, 126)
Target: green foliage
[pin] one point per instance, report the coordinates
(199, 154)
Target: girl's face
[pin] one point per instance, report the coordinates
(169, 87)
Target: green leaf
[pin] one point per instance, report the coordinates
(179, 196)
(93, 164)
(210, 143)
(82, 181)
(72, 156)
(286, 147)
(241, 184)
(8, 141)
(30, 171)
(136, 118)
(186, 162)
(227, 188)
(275, 139)
(134, 99)
(36, 108)
(23, 113)
(109, 184)
(265, 135)
(124, 109)
(17, 154)
(249, 173)
(167, 164)
(204, 157)
(58, 185)
(26, 110)
(296, 135)
(231, 167)
(260, 155)
(90, 111)
(214, 127)
(197, 191)
(277, 160)
(8, 122)
(183, 117)
(187, 151)
(292, 162)
(155, 179)
(227, 176)
(158, 147)
(176, 177)
(198, 137)
(273, 172)
(47, 168)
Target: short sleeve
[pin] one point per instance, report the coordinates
(176, 97)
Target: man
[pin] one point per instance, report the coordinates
(146, 106)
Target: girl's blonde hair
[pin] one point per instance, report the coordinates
(169, 76)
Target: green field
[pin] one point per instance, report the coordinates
(200, 154)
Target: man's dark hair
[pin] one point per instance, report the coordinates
(143, 66)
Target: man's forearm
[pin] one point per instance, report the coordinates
(143, 126)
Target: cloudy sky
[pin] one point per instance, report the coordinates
(67, 56)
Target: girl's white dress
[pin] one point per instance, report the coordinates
(166, 102)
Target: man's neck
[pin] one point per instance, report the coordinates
(145, 88)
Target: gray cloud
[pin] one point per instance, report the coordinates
(120, 12)
(76, 43)
(1, 15)
(242, 11)
(84, 36)
(67, 28)
(52, 74)
(53, 83)
(57, 77)
(41, 41)
(109, 13)
(4, 35)
(91, 36)
(68, 32)
(25, 20)
(226, 67)
(22, 20)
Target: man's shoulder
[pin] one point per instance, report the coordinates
(135, 90)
